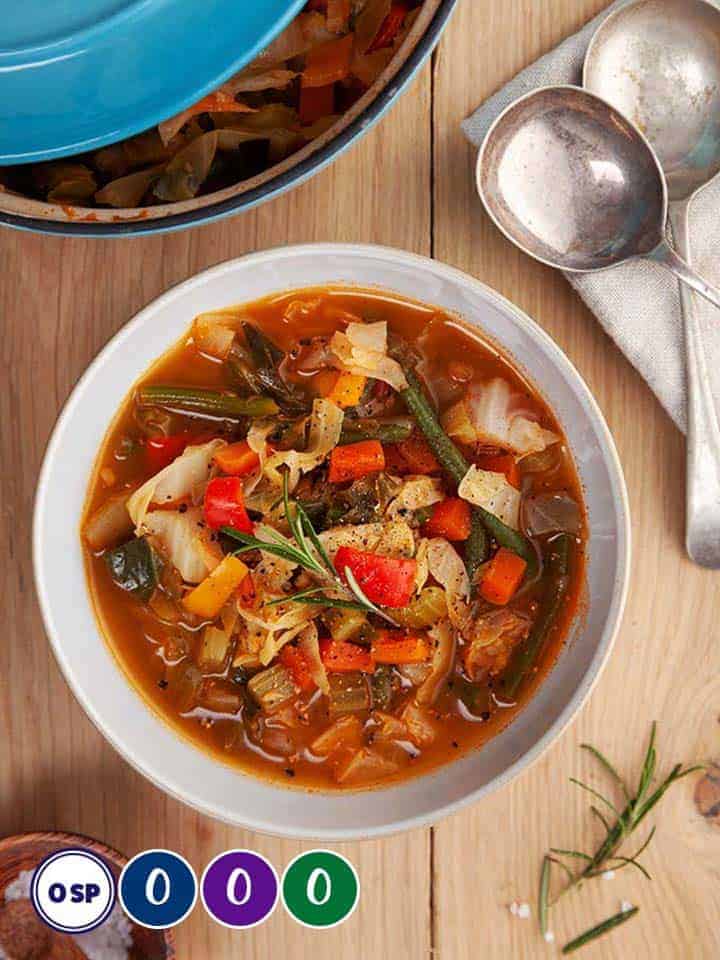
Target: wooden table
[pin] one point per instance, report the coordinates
(445, 891)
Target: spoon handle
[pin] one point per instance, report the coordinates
(703, 444)
(668, 258)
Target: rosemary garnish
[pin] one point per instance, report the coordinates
(594, 932)
(307, 551)
(623, 823)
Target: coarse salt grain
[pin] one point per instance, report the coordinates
(514, 908)
(626, 906)
(549, 936)
(524, 911)
(609, 875)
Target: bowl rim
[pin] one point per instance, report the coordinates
(269, 189)
(610, 459)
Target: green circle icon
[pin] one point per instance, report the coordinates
(320, 888)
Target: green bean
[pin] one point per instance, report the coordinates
(509, 538)
(477, 545)
(440, 443)
(557, 581)
(210, 403)
(389, 431)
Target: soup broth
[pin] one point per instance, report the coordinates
(423, 523)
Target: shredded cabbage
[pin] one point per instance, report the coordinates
(185, 542)
(325, 428)
(394, 539)
(490, 490)
(281, 624)
(273, 573)
(442, 662)
(447, 568)
(174, 482)
(362, 350)
(416, 493)
(489, 414)
(256, 439)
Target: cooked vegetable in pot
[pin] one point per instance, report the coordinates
(292, 93)
(335, 537)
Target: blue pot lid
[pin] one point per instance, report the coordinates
(76, 75)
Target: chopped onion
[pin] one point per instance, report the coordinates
(551, 513)
(110, 523)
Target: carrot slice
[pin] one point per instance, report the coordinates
(237, 459)
(502, 577)
(339, 656)
(394, 647)
(356, 460)
(391, 26)
(451, 519)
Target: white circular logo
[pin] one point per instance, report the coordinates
(73, 890)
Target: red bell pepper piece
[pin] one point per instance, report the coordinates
(161, 451)
(224, 506)
(387, 581)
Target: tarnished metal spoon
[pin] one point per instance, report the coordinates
(658, 62)
(574, 184)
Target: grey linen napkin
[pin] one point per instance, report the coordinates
(638, 304)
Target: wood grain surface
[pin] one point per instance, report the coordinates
(435, 893)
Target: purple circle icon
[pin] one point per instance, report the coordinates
(239, 889)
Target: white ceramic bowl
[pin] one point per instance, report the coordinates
(98, 682)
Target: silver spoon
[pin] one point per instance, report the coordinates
(659, 64)
(573, 183)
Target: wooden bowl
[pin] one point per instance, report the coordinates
(26, 850)
(44, 217)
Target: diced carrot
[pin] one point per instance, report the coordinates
(328, 62)
(502, 577)
(347, 390)
(293, 659)
(209, 597)
(237, 459)
(339, 656)
(451, 519)
(316, 103)
(246, 591)
(395, 647)
(501, 463)
(418, 455)
(356, 460)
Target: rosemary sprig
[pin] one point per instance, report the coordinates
(636, 807)
(307, 551)
(599, 930)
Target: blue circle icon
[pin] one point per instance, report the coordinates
(158, 889)
(73, 890)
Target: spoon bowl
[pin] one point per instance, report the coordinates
(658, 62)
(571, 181)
